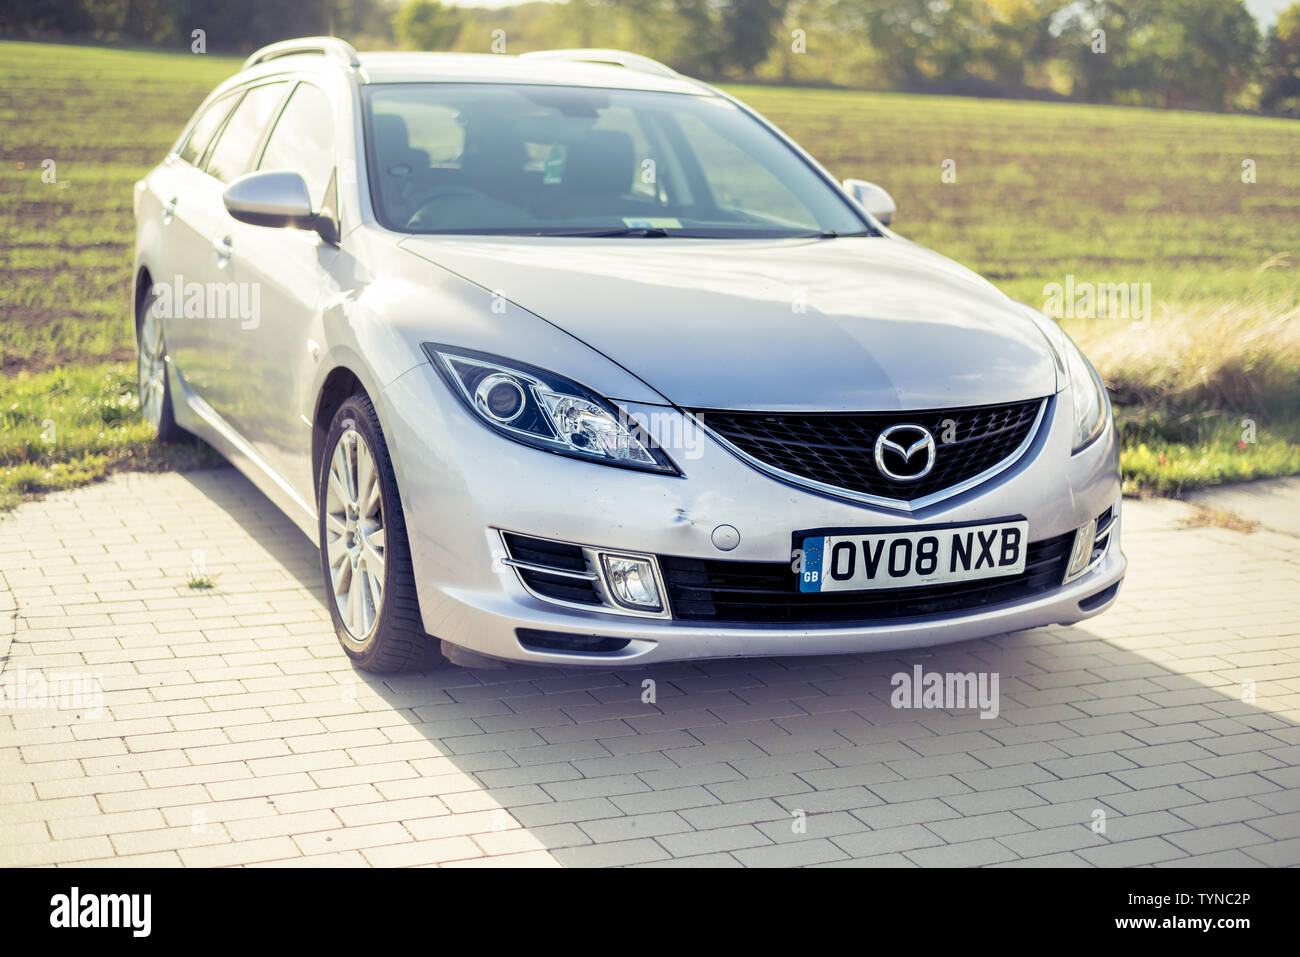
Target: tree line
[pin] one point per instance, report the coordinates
(1204, 54)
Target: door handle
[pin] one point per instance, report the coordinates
(169, 210)
(224, 248)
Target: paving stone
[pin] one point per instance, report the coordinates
(235, 733)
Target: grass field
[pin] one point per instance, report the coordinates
(1035, 193)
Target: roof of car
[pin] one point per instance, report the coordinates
(501, 68)
(608, 69)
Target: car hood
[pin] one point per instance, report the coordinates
(851, 324)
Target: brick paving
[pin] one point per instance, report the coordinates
(233, 731)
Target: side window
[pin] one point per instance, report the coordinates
(303, 141)
(204, 127)
(233, 154)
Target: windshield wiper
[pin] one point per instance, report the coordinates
(832, 234)
(649, 232)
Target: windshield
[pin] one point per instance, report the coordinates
(549, 160)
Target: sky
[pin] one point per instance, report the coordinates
(1266, 11)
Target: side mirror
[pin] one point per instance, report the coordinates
(872, 198)
(277, 199)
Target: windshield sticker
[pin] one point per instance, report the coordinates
(553, 168)
(660, 222)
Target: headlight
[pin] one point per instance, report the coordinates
(546, 411)
(1088, 395)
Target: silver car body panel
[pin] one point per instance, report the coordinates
(832, 326)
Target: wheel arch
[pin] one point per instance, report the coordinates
(143, 283)
(339, 385)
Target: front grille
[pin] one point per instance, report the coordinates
(838, 448)
(762, 592)
(558, 555)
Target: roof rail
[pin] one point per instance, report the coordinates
(630, 61)
(333, 47)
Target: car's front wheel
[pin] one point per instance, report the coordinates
(365, 557)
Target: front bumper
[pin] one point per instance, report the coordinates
(462, 484)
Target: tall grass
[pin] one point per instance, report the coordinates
(1241, 356)
(1205, 392)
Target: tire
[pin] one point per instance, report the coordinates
(364, 552)
(153, 375)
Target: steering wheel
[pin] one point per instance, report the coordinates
(431, 198)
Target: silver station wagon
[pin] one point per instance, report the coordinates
(568, 358)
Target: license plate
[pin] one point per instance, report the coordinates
(866, 559)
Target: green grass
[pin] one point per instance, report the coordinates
(1171, 468)
(68, 409)
(1042, 191)
(69, 426)
(104, 117)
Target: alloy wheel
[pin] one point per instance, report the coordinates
(354, 534)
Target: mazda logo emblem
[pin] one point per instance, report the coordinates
(900, 446)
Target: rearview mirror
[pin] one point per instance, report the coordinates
(872, 198)
(277, 199)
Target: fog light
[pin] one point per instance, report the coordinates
(1082, 550)
(632, 582)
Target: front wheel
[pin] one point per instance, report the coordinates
(365, 557)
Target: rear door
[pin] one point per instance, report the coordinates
(179, 187)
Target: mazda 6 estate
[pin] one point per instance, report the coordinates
(568, 358)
